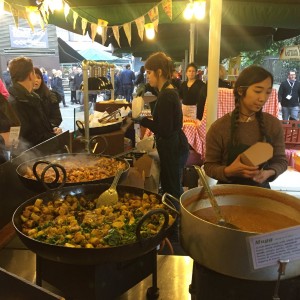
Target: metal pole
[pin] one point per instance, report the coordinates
(213, 60)
(85, 67)
(192, 42)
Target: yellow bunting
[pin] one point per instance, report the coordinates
(75, 17)
(66, 10)
(167, 7)
(83, 25)
(116, 34)
(127, 29)
(140, 24)
(93, 31)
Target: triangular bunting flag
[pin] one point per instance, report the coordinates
(15, 12)
(93, 31)
(154, 17)
(116, 34)
(140, 24)
(83, 25)
(66, 10)
(167, 7)
(75, 17)
(104, 35)
(127, 29)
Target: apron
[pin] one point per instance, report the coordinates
(233, 152)
(173, 153)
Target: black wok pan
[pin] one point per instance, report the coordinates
(89, 256)
(38, 185)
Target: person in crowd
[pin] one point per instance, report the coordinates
(223, 83)
(3, 89)
(140, 82)
(118, 86)
(8, 119)
(172, 145)
(235, 132)
(72, 85)
(45, 75)
(193, 94)
(127, 79)
(35, 127)
(289, 96)
(57, 86)
(175, 80)
(78, 78)
(50, 99)
(6, 76)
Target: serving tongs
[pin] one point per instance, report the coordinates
(110, 116)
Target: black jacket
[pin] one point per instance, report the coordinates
(35, 127)
(286, 89)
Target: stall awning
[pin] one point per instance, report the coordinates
(67, 54)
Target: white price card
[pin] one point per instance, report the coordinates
(14, 135)
(268, 248)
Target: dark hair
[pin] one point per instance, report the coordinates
(127, 66)
(142, 69)
(43, 90)
(249, 76)
(20, 68)
(191, 65)
(160, 60)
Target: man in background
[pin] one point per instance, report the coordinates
(288, 97)
(6, 77)
(127, 79)
(35, 127)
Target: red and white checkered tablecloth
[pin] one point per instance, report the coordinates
(225, 105)
(195, 130)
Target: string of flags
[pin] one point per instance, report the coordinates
(41, 13)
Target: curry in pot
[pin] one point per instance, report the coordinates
(248, 218)
(79, 169)
(74, 221)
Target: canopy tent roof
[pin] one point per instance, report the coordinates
(246, 25)
(97, 55)
(67, 54)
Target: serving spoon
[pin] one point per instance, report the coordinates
(110, 196)
(220, 219)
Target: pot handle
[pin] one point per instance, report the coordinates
(57, 174)
(147, 216)
(165, 199)
(92, 145)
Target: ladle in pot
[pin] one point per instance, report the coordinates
(220, 219)
(110, 196)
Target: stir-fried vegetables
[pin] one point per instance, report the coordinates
(76, 222)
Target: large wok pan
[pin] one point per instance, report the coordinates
(225, 250)
(89, 256)
(38, 185)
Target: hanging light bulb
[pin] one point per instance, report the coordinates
(150, 32)
(199, 10)
(188, 12)
(1, 7)
(34, 17)
(55, 5)
(195, 9)
(100, 26)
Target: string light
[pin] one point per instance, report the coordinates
(150, 32)
(1, 7)
(195, 9)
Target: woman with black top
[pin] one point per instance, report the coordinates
(172, 145)
(50, 99)
(193, 94)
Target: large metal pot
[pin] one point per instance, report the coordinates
(86, 256)
(60, 159)
(225, 250)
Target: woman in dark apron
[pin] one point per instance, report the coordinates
(171, 143)
(235, 132)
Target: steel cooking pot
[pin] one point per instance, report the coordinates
(225, 250)
(90, 256)
(81, 159)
